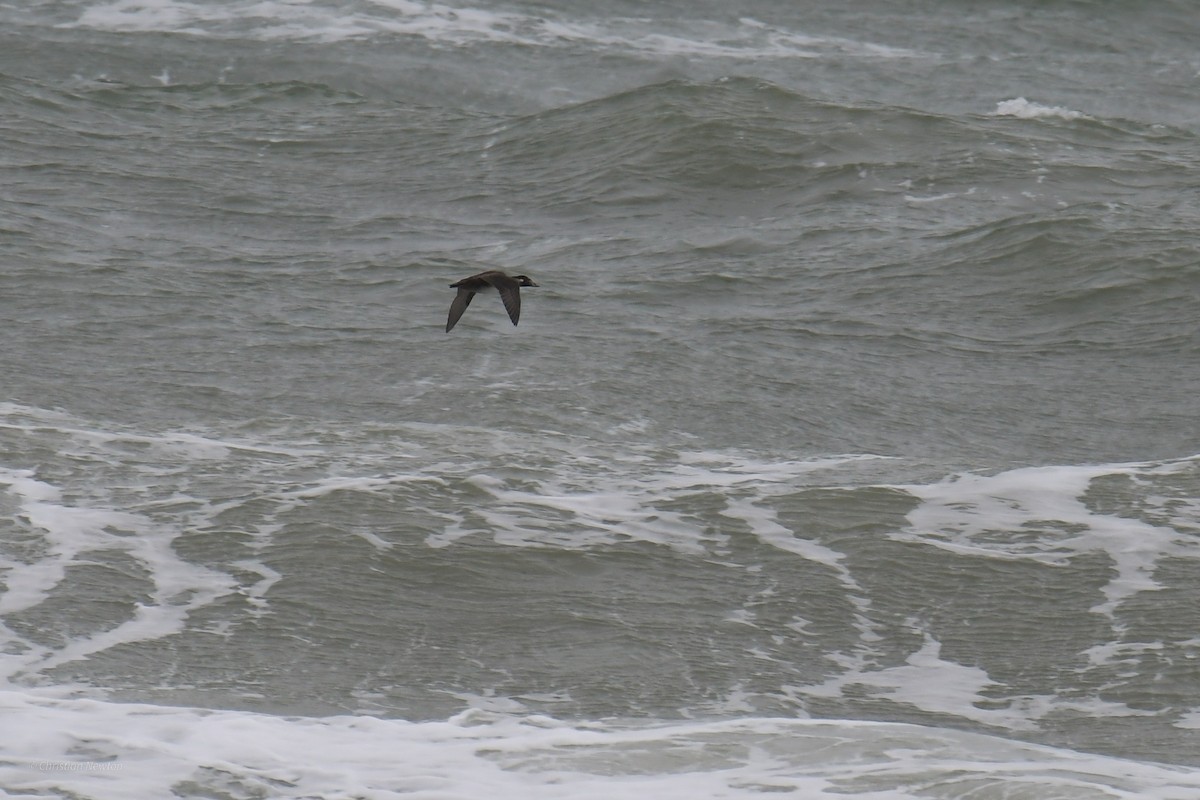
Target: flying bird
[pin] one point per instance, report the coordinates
(509, 287)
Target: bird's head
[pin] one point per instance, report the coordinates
(524, 280)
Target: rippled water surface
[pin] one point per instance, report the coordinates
(846, 447)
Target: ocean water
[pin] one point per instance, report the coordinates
(848, 447)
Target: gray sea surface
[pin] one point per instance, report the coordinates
(859, 393)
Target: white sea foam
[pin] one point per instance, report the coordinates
(1024, 109)
(626, 502)
(465, 25)
(935, 198)
(109, 751)
(928, 682)
(70, 533)
(1049, 515)
(117, 493)
(993, 516)
(140, 494)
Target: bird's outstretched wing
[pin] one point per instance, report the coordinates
(461, 301)
(510, 293)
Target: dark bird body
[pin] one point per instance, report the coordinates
(509, 287)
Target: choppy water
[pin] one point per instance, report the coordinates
(847, 448)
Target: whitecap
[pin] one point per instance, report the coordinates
(465, 25)
(1024, 109)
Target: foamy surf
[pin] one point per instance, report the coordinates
(852, 468)
(1021, 108)
(129, 505)
(98, 750)
(449, 25)
(70, 537)
(1054, 515)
